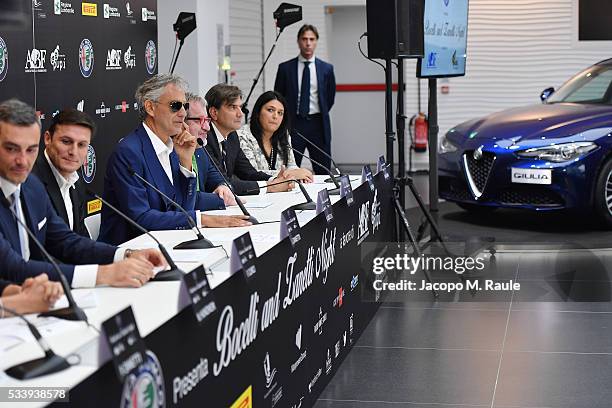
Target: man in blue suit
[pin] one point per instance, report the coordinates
(24, 198)
(160, 150)
(212, 194)
(309, 97)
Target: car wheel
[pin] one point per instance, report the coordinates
(603, 194)
(475, 208)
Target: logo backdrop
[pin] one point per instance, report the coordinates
(89, 56)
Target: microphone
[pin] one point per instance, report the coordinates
(252, 190)
(252, 219)
(200, 242)
(320, 150)
(49, 364)
(308, 205)
(333, 179)
(73, 311)
(171, 275)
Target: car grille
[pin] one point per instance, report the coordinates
(527, 196)
(454, 189)
(478, 171)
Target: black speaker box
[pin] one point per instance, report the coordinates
(395, 28)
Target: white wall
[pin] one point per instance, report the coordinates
(246, 35)
(516, 48)
(198, 61)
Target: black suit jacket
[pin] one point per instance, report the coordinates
(240, 172)
(42, 169)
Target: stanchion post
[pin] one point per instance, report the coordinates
(433, 147)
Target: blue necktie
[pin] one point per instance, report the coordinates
(23, 235)
(304, 107)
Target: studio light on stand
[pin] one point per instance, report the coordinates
(285, 15)
(185, 24)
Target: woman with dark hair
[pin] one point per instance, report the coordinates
(265, 141)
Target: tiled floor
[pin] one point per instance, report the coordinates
(549, 345)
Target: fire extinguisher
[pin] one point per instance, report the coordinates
(418, 132)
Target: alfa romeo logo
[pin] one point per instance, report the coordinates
(150, 57)
(3, 59)
(89, 168)
(478, 153)
(145, 387)
(86, 58)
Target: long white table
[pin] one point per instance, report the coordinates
(153, 304)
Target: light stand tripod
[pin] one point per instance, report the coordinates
(245, 108)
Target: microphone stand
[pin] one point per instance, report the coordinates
(309, 204)
(252, 219)
(49, 364)
(201, 242)
(333, 179)
(245, 108)
(171, 275)
(329, 180)
(73, 311)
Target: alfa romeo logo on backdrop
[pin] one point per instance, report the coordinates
(150, 57)
(86, 58)
(3, 59)
(145, 387)
(89, 167)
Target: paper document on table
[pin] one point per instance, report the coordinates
(257, 204)
(205, 256)
(13, 331)
(85, 298)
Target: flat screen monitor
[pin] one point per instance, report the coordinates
(445, 32)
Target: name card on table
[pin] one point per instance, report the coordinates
(290, 227)
(346, 190)
(127, 347)
(381, 165)
(243, 255)
(200, 293)
(366, 175)
(324, 205)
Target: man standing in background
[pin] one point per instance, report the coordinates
(309, 86)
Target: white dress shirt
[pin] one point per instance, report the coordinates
(260, 183)
(314, 90)
(84, 275)
(64, 186)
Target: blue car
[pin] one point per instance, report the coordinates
(548, 157)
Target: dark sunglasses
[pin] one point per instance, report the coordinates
(176, 106)
(201, 120)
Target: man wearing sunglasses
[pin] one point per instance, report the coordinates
(160, 150)
(208, 178)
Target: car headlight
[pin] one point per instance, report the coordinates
(558, 153)
(446, 146)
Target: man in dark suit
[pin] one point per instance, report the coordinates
(224, 107)
(212, 194)
(58, 167)
(309, 97)
(24, 198)
(160, 150)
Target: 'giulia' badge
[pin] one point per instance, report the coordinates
(478, 153)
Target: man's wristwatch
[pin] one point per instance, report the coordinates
(128, 253)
